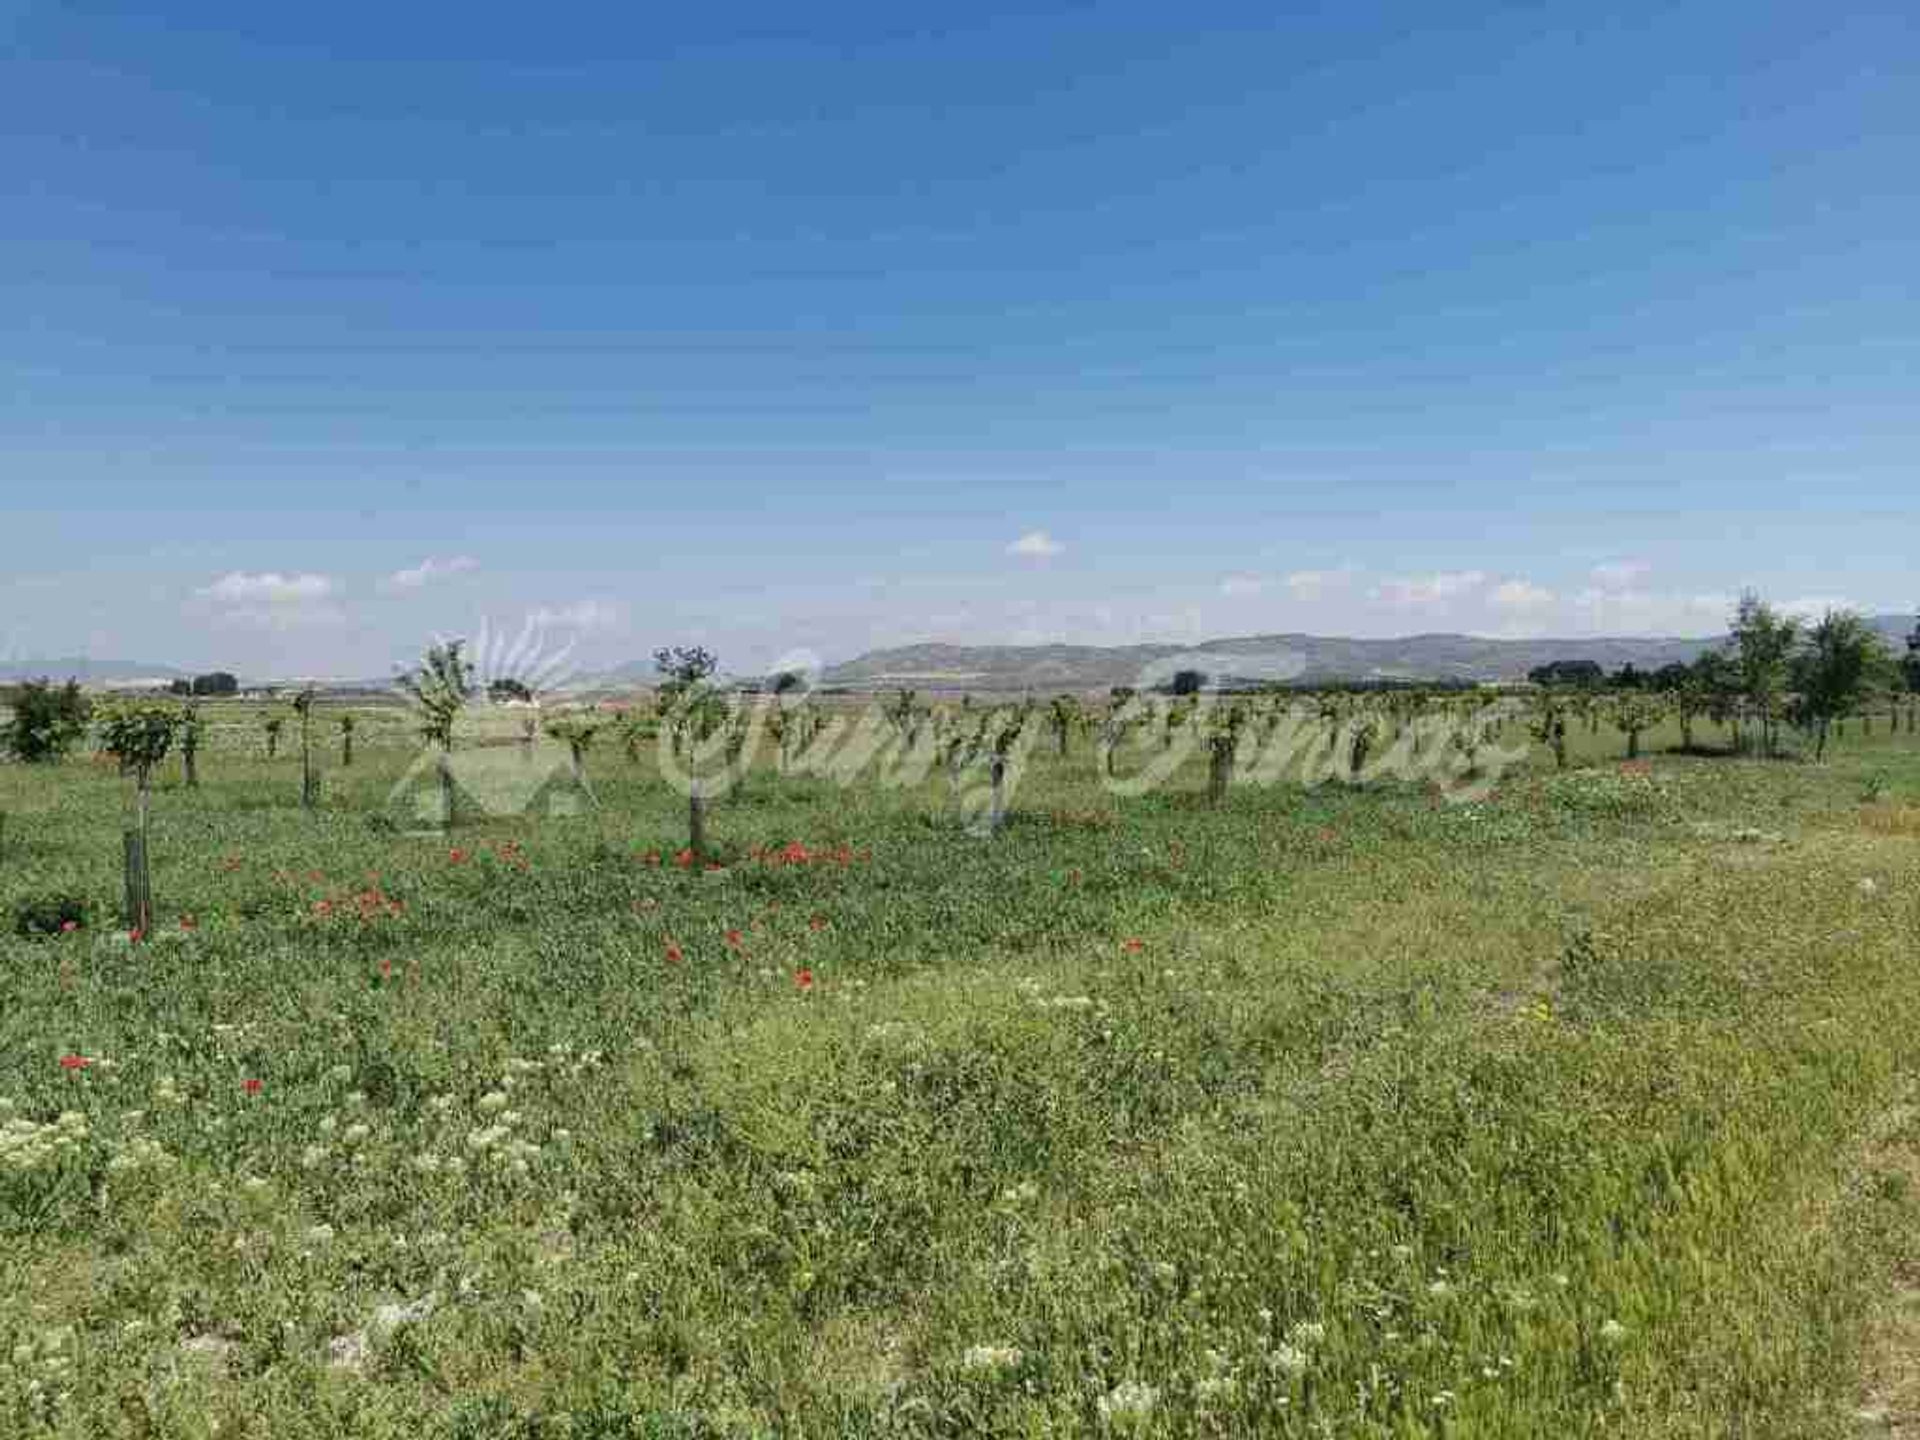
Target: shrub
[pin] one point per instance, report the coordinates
(46, 721)
(49, 915)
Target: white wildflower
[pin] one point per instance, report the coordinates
(1215, 1389)
(986, 1359)
(485, 1139)
(1287, 1360)
(1129, 1403)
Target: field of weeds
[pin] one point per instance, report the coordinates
(1588, 1108)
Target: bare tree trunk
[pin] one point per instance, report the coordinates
(139, 887)
(696, 820)
(445, 768)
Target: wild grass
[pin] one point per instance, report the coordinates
(1328, 1111)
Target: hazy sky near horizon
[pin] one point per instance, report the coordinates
(328, 329)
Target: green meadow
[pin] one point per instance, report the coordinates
(1587, 1107)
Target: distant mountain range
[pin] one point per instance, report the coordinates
(1296, 659)
(88, 672)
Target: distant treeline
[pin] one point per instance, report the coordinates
(214, 682)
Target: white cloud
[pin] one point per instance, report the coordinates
(1648, 612)
(1239, 587)
(1313, 584)
(272, 601)
(1036, 545)
(1521, 595)
(269, 587)
(1430, 589)
(581, 615)
(1620, 574)
(429, 570)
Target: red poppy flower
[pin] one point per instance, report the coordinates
(323, 908)
(818, 922)
(803, 978)
(135, 935)
(252, 1087)
(794, 853)
(186, 922)
(386, 969)
(74, 1062)
(673, 953)
(1132, 946)
(457, 856)
(67, 927)
(683, 859)
(735, 938)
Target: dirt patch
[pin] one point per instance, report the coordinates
(1896, 820)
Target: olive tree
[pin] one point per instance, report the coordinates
(692, 712)
(190, 731)
(1632, 713)
(1841, 660)
(1548, 724)
(440, 686)
(1063, 717)
(1764, 643)
(309, 782)
(138, 733)
(1223, 725)
(576, 729)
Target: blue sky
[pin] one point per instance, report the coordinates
(331, 328)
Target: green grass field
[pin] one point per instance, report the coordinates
(1586, 1110)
